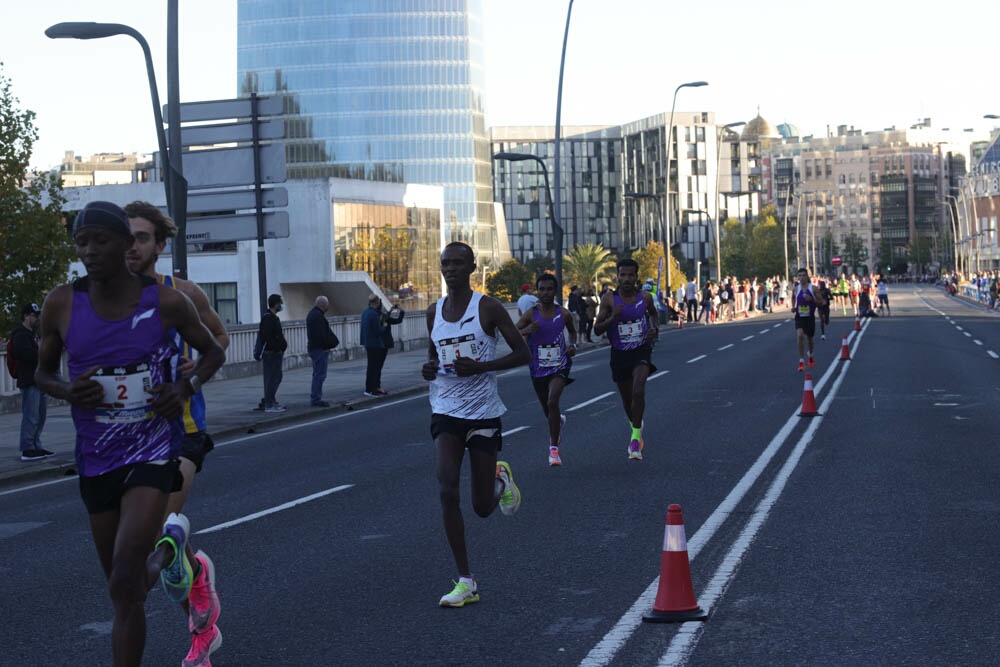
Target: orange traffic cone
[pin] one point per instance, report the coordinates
(675, 601)
(857, 323)
(680, 321)
(808, 399)
(845, 351)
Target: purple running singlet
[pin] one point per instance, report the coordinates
(628, 332)
(548, 345)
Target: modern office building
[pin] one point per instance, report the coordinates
(591, 184)
(386, 90)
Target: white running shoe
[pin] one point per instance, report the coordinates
(466, 591)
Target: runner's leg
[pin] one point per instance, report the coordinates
(556, 386)
(450, 450)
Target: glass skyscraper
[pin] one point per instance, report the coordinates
(389, 90)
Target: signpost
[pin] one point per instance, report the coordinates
(836, 260)
(226, 183)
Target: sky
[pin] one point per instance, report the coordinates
(816, 65)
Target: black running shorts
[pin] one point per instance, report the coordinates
(195, 446)
(807, 324)
(479, 434)
(103, 493)
(542, 383)
(623, 362)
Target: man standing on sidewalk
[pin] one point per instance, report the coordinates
(462, 329)
(320, 340)
(24, 348)
(270, 348)
(691, 299)
(373, 329)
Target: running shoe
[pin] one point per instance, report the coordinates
(466, 591)
(802, 366)
(203, 646)
(203, 601)
(554, 459)
(635, 450)
(276, 408)
(176, 577)
(510, 499)
(822, 336)
(812, 362)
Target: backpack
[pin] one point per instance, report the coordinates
(11, 359)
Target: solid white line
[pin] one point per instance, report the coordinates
(514, 430)
(285, 506)
(605, 651)
(724, 347)
(748, 337)
(993, 354)
(698, 358)
(39, 485)
(586, 403)
(656, 375)
(683, 643)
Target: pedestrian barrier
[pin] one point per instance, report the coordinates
(808, 399)
(675, 601)
(845, 350)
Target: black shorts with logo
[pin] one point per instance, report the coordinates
(103, 493)
(623, 362)
(542, 383)
(480, 434)
(195, 446)
(807, 324)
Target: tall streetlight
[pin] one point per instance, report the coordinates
(554, 203)
(557, 232)
(666, 173)
(174, 184)
(718, 194)
(954, 228)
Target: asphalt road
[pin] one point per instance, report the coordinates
(864, 536)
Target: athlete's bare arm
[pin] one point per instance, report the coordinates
(606, 314)
(208, 316)
(53, 325)
(526, 325)
(433, 364)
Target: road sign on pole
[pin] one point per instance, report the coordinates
(836, 260)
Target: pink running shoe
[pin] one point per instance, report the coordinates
(203, 601)
(202, 647)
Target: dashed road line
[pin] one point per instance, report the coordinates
(586, 403)
(279, 508)
(698, 358)
(747, 338)
(724, 347)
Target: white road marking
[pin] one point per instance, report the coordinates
(724, 347)
(514, 430)
(993, 354)
(698, 358)
(656, 375)
(977, 341)
(945, 405)
(279, 508)
(763, 331)
(966, 333)
(748, 338)
(604, 652)
(586, 403)
(959, 328)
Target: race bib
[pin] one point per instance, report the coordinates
(450, 349)
(549, 356)
(804, 310)
(126, 394)
(630, 331)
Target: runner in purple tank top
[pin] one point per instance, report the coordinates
(629, 317)
(551, 357)
(126, 406)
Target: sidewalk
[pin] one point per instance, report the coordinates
(231, 411)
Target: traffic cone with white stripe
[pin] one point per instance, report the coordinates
(857, 323)
(675, 601)
(808, 399)
(845, 351)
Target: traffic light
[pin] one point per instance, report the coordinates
(889, 268)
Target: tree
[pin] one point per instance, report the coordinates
(505, 283)
(649, 261)
(854, 248)
(35, 251)
(539, 264)
(755, 248)
(589, 264)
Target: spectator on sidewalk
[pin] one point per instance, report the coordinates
(320, 339)
(527, 300)
(691, 299)
(270, 348)
(373, 330)
(577, 310)
(24, 348)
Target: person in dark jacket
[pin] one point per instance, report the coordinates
(24, 346)
(320, 340)
(375, 334)
(270, 348)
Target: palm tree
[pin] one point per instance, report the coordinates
(589, 264)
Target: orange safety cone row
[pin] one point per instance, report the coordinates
(845, 351)
(857, 323)
(675, 601)
(808, 399)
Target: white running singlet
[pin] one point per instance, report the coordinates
(473, 397)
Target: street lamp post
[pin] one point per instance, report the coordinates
(174, 185)
(718, 195)
(954, 229)
(557, 232)
(666, 172)
(554, 203)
